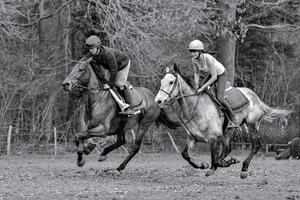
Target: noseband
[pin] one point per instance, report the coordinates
(173, 99)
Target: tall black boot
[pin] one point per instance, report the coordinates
(230, 114)
(127, 97)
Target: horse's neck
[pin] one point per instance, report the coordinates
(93, 80)
(98, 95)
(189, 101)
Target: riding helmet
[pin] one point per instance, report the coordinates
(92, 41)
(196, 45)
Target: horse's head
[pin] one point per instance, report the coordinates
(79, 76)
(168, 86)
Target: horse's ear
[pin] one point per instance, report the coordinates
(168, 70)
(175, 68)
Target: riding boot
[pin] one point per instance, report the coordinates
(127, 97)
(230, 114)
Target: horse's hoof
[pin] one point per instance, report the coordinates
(235, 161)
(81, 162)
(88, 148)
(205, 165)
(102, 158)
(112, 172)
(244, 175)
(209, 172)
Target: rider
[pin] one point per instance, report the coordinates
(117, 65)
(203, 61)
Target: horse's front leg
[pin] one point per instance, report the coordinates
(190, 142)
(79, 141)
(119, 142)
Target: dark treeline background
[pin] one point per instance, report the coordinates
(257, 41)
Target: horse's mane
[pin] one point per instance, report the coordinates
(187, 78)
(99, 73)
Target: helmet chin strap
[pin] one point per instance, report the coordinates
(98, 50)
(199, 55)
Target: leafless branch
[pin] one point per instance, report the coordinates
(44, 17)
(277, 27)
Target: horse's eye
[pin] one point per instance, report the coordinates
(81, 69)
(171, 82)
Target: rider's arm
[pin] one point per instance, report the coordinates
(113, 68)
(196, 75)
(212, 70)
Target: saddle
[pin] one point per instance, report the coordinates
(132, 97)
(235, 98)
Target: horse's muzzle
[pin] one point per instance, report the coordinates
(67, 86)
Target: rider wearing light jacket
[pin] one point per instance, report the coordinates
(217, 74)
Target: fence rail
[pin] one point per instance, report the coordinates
(6, 143)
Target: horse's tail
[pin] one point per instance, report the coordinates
(275, 113)
(165, 119)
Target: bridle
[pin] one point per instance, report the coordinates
(175, 85)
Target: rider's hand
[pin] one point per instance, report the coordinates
(112, 84)
(106, 86)
(193, 60)
(200, 90)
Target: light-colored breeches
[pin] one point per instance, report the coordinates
(121, 77)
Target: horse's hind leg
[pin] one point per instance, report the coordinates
(119, 142)
(190, 142)
(223, 150)
(220, 148)
(256, 145)
(150, 116)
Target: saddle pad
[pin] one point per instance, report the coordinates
(135, 97)
(236, 99)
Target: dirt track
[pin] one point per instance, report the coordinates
(148, 176)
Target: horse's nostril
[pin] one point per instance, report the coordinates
(66, 85)
(159, 101)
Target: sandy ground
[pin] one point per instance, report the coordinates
(148, 176)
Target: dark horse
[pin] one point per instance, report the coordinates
(204, 123)
(102, 113)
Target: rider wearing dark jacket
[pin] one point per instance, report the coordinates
(112, 60)
(115, 62)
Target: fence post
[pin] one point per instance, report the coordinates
(267, 148)
(173, 142)
(9, 140)
(55, 141)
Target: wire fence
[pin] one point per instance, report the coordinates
(14, 141)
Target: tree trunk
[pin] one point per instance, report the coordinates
(40, 23)
(226, 42)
